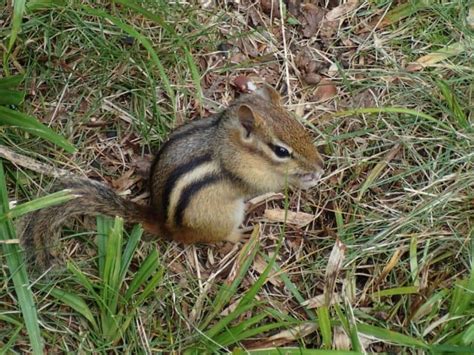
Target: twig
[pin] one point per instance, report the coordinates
(32, 164)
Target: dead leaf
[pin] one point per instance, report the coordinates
(389, 266)
(125, 181)
(257, 201)
(413, 67)
(238, 58)
(328, 29)
(260, 265)
(470, 17)
(441, 54)
(311, 18)
(336, 258)
(320, 300)
(297, 332)
(294, 7)
(244, 254)
(325, 91)
(377, 170)
(284, 337)
(341, 340)
(299, 219)
(341, 10)
(364, 99)
(271, 7)
(312, 78)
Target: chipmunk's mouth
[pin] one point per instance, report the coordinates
(307, 180)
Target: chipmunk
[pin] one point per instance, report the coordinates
(200, 177)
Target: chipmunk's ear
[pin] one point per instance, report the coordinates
(268, 93)
(248, 118)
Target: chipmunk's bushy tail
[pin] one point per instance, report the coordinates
(40, 229)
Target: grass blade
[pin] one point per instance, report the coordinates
(18, 272)
(195, 75)
(148, 267)
(145, 43)
(293, 351)
(375, 110)
(104, 225)
(377, 170)
(325, 326)
(130, 248)
(39, 203)
(34, 5)
(408, 290)
(18, 11)
(244, 260)
(11, 97)
(113, 260)
(81, 278)
(390, 336)
(222, 324)
(233, 337)
(76, 303)
(293, 289)
(11, 82)
(151, 286)
(32, 125)
(453, 104)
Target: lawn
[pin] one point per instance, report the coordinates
(378, 258)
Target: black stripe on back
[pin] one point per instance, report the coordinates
(176, 174)
(229, 175)
(188, 192)
(177, 136)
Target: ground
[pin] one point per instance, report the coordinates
(378, 257)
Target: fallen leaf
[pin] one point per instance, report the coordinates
(284, 337)
(311, 18)
(325, 91)
(320, 300)
(341, 340)
(299, 219)
(260, 265)
(294, 333)
(377, 170)
(341, 10)
(364, 98)
(328, 30)
(312, 78)
(257, 201)
(441, 54)
(470, 17)
(125, 181)
(396, 14)
(271, 7)
(336, 258)
(294, 7)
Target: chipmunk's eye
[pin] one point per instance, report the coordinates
(280, 151)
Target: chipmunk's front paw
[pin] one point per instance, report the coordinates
(234, 237)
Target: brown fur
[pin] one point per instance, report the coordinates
(199, 178)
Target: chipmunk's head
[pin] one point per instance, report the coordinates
(275, 148)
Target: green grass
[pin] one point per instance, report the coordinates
(94, 88)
